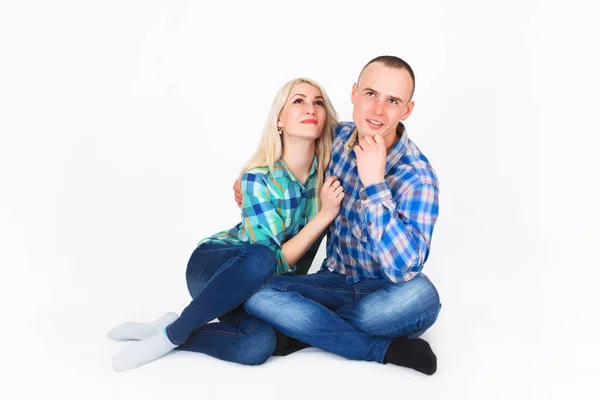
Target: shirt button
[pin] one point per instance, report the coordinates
(370, 223)
(343, 244)
(347, 193)
(303, 216)
(344, 219)
(259, 226)
(364, 198)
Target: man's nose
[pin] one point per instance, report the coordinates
(378, 107)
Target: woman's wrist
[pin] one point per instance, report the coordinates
(327, 216)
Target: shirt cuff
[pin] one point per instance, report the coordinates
(375, 193)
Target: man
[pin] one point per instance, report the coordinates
(370, 300)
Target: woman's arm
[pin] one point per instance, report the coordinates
(264, 226)
(332, 194)
(295, 248)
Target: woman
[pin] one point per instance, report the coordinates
(282, 216)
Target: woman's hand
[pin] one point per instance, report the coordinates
(332, 194)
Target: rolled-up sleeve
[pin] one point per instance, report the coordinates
(260, 220)
(400, 231)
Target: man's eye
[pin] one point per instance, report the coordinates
(393, 101)
(370, 94)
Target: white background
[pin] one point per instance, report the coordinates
(124, 124)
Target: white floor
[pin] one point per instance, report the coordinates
(494, 340)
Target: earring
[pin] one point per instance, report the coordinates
(280, 130)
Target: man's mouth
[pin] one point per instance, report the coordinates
(375, 124)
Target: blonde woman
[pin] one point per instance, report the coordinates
(283, 215)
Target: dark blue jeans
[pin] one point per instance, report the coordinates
(220, 278)
(357, 322)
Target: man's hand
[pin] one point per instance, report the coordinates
(237, 192)
(370, 159)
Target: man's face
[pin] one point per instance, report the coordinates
(381, 101)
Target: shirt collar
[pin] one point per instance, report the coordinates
(280, 169)
(394, 153)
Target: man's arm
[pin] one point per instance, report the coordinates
(400, 232)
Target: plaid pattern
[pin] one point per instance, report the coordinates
(383, 230)
(275, 207)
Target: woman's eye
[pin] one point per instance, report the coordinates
(320, 103)
(298, 101)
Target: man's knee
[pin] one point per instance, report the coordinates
(397, 309)
(263, 299)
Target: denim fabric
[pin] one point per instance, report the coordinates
(354, 321)
(219, 279)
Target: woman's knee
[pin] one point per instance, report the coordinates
(261, 261)
(257, 344)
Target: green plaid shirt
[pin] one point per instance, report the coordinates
(275, 207)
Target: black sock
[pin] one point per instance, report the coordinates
(287, 345)
(412, 353)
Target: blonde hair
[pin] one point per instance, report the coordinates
(270, 147)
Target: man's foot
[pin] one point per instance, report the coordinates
(142, 352)
(141, 330)
(412, 353)
(287, 345)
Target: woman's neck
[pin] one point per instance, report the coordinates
(298, 155)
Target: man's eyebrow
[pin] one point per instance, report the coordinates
(397, 98)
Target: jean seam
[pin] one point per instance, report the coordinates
(285, 288)
(408, 323)
(171, 338)
(384, 349)
(230, 334)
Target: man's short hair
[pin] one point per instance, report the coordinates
(393, 62)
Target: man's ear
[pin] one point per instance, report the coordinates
(408, 110)
(354, 90)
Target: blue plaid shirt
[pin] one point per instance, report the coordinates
(383, 230)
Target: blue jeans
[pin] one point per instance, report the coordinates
(219, 279)
(357, 322)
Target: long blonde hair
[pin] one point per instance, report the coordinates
(270, 147)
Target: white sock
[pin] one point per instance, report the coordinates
(142, 352)
(141, 330)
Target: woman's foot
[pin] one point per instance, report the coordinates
(141, 330)
(142, 352)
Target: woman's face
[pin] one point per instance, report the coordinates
(304, 113)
